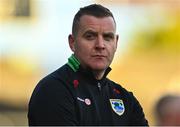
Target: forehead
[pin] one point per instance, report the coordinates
(97, 23)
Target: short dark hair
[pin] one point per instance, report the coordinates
(96, 10)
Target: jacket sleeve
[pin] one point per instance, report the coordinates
(137, 115)
(51, 104)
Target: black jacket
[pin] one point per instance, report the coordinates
(72, 96)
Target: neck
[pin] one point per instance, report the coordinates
(98, 74)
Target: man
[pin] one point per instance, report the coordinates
(167, 110)
(79, 93)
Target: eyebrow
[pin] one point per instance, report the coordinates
(109, 33)
(90, 32)
(94, 32)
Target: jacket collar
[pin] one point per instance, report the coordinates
(73, 63)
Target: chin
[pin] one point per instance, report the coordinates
(99, 67)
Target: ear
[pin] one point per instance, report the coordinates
(71, 42)
(117, 38)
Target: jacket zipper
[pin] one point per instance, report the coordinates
(99, 86)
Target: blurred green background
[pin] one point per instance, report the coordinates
(33, 43)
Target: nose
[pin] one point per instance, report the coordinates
(100, 43)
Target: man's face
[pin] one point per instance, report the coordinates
(95, 43)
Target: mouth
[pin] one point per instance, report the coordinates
(99, 56)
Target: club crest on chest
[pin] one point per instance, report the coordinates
(117, 105)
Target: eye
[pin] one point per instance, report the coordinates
(108, 37)
(90, 36)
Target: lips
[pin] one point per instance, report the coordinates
(99, 56)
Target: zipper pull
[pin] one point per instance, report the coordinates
(99, 86)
